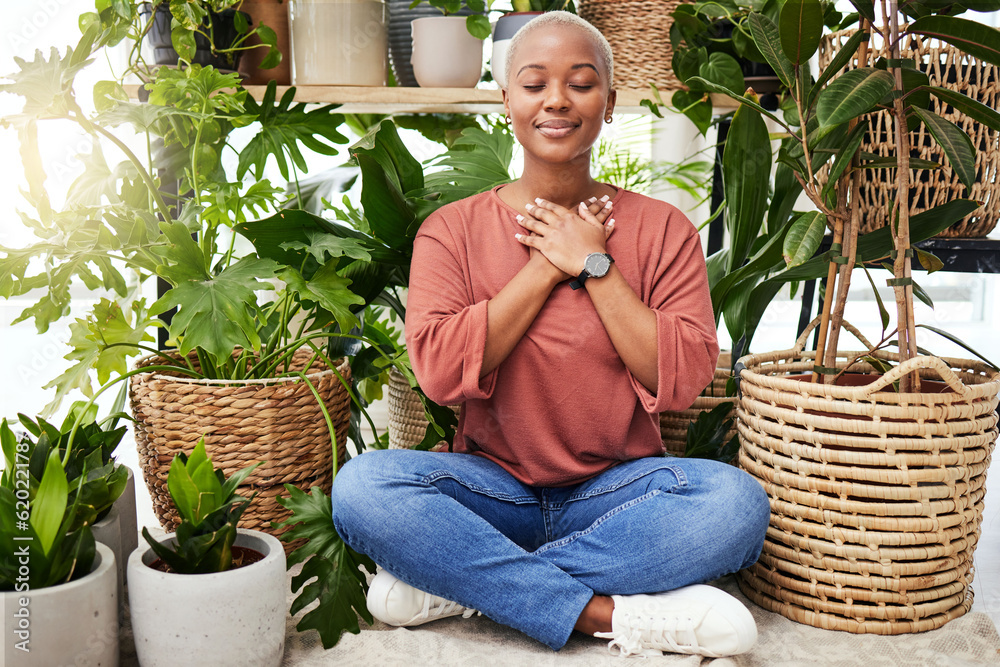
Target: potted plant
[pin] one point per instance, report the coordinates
(58, 586)
(219, 588)
(448, 49)
(101, 491)
(257, 64)
(857, 470)
(712, 40)
(217, 288)
(510, 22)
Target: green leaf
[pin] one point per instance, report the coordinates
(842, 58)
(955, 143)
(929, 261)
(183, 490)
(883, 313)
(852, 94)
(974, 109)
(800, 26)
(706, 436)
(920, 293)
(49, 504)
(723, 70)
(866, 8)
(107, 95)
(975, 38)
(283, 127)
(767, 39)
(328, 289)
(745, 171)
(745, 101)
(327, 246)
(959, 342)
(804, 237)
(476, 162)
(330, 573)
(217, 314)
(478, 26)
(696, 106)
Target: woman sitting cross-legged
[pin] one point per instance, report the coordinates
(563, 314)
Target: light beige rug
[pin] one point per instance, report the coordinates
(478, 641)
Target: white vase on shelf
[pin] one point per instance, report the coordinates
(339, 42)
(503, 31)
(445, 55)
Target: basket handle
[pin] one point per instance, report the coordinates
(800, 343)
(935, 364)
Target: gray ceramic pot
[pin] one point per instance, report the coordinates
(205, 620)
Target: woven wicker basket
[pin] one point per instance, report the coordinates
(407, 424)
(949, 68)
(876, 497)
(674, 425)
(275, 421)
(639, 34)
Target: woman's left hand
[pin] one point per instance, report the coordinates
(564, 236)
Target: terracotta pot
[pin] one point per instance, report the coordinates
(273, 14)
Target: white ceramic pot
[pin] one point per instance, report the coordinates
(339, 42)
(71, 624)
(445, 55)
(204, 620)
(503, 31)
(118, 532)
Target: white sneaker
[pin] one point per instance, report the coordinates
(698, 619)
(396, 603)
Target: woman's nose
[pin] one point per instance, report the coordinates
(556, 98)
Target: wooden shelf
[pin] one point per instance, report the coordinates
(361, 99)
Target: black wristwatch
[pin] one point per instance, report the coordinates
(596, 265)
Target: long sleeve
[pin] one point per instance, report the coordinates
(445, 326)
(686, 340)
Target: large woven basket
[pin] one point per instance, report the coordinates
(639, 34)
(674, 424)
(276, 421)
(876, 496)
(407, 423)
(947, 67)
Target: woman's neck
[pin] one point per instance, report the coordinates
(566, 184)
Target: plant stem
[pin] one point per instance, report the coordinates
(905, 321)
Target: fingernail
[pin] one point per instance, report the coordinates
(604, 198)
(611, 222)
(528, 207)
(538, 200)
(608, 205)
(517, 236)
(519, 217)
(583, 207)
(592, 200)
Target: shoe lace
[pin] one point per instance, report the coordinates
(444, 608)
(652, 635)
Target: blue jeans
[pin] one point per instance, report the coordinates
(461, 527)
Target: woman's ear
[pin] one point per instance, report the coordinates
(610, 106)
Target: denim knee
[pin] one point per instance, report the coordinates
(351, 493)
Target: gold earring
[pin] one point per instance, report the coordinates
(608, 120)
(507, 119)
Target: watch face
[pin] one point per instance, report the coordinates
(597, 265)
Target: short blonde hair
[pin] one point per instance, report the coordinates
(566, 19)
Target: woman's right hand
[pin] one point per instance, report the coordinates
(599, 209)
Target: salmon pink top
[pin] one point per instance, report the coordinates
(562, 407)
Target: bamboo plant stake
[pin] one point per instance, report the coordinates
(902, 282)
(850, 244)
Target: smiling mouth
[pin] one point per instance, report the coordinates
(557, 129)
